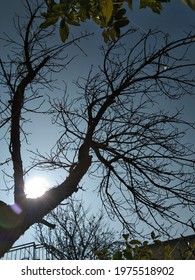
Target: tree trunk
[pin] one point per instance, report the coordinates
(16, 219)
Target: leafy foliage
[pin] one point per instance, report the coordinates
(130, 250)
(110, 15)
(137, 250)
(155, 6)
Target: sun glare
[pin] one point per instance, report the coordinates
(36, 187)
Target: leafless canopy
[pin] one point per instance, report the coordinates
(77, 233)
(141, 160)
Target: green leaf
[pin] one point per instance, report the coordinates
(117, 255)
(97, 20)
(135, 242)
(106, 7)
(64, 30)
(119, 15)
(113, 33)
(72, 22)
(156, 5)
(50, 3)
(157, 242)
(121, 23)
(44, 15)
(145, 243)
(59, 7)
(110, 33)
(153, 236)
(48, 22)
(130, 4)
(84, 14)
(128, 255)
(125, 236)
(105, 34)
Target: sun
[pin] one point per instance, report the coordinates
(36, 187)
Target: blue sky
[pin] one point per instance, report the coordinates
(175, 19)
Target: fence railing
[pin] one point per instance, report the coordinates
(28, 251)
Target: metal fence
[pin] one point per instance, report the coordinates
(28, 251)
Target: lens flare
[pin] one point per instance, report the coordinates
(36, 187)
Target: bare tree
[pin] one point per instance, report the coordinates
(30, 64)
(117, 129)
(77, 234)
